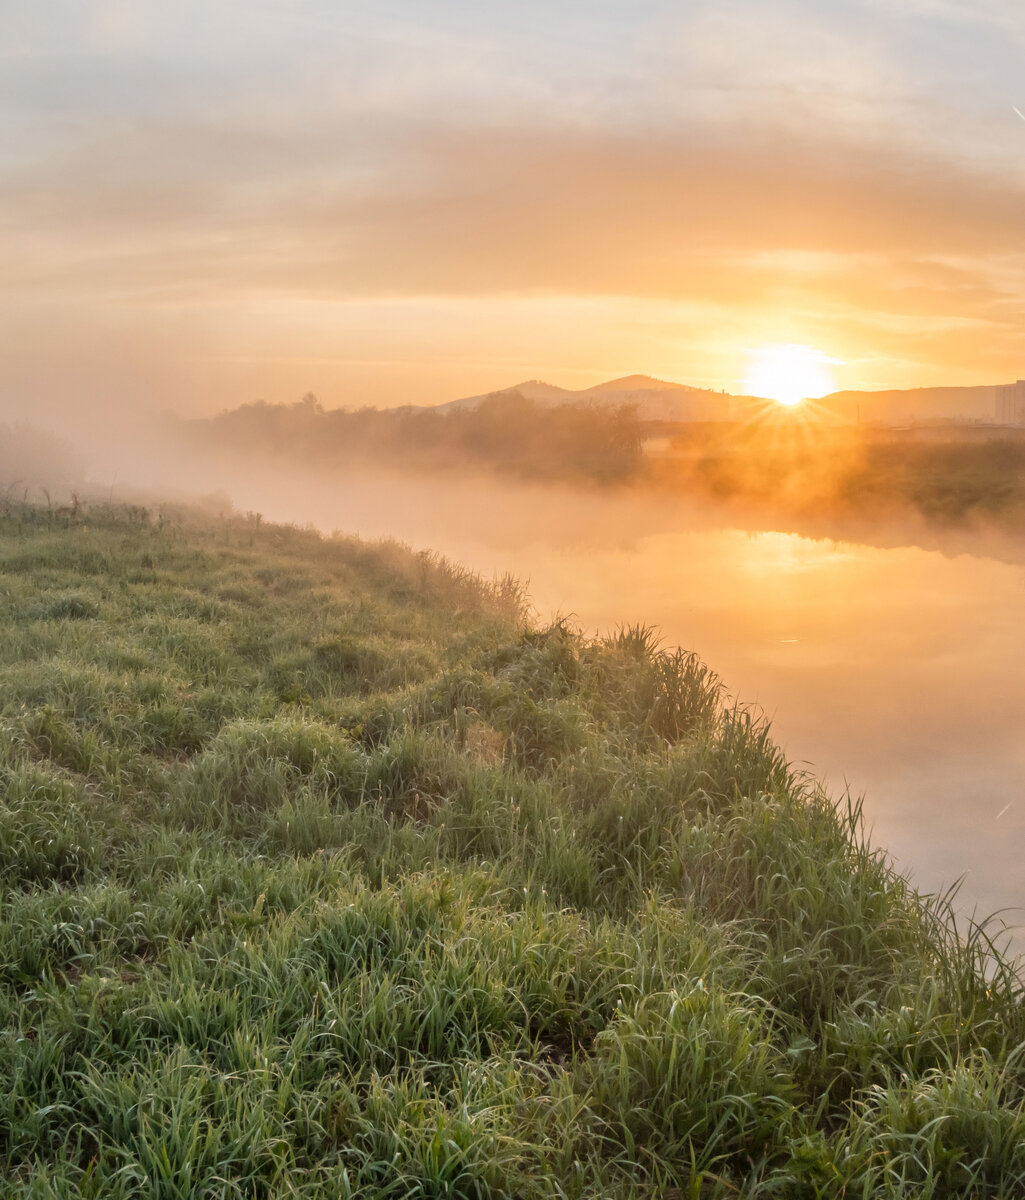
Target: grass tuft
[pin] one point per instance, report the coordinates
(323, 872)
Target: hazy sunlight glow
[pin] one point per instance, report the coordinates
(789, 373)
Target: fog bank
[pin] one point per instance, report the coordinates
(891, 668)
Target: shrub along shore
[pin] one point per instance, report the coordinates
(324, 872)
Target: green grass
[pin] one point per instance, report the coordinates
(325, 874)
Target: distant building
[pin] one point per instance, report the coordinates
(1011, 403)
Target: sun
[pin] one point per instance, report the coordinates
(789, 373)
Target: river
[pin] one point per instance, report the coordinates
(896, 672)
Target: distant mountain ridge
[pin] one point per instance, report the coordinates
(896, 406)
(654, 399)
(662, 400)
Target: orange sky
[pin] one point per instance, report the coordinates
(407, 202)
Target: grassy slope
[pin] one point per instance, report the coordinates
(322, 875)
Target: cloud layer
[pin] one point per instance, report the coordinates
(370, 201)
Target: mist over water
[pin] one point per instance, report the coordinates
(894, 672)
(891, 669)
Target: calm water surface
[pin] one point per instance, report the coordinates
(895, 672)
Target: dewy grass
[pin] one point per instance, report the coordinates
(325, 873)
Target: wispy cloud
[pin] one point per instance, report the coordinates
(168, 172)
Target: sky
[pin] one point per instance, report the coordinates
(206, 203)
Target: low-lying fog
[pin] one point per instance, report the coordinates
(896, 672)
(890, 669)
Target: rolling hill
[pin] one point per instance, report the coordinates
(655, 399)
(661, 400)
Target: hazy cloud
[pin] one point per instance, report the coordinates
(179, 183)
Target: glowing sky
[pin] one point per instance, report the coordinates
(206, 202)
